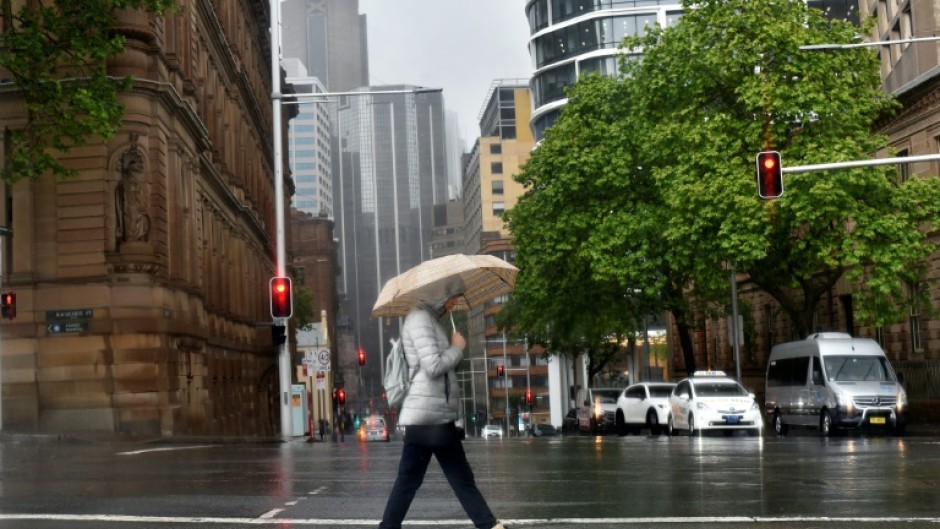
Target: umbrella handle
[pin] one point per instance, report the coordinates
(452, 324)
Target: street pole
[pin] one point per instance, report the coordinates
(506, 382)
(283, 355)
(734, 323)
(3, 233)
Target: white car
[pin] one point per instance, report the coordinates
(491, 430)
(374, 429)
(710, 400)
(644, 405)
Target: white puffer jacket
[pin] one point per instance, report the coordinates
(428, 347)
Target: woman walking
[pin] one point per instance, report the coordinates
(429, 413)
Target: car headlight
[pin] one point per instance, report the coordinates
(754, 406)
(701, 406)
(902, 401)
(845, 401)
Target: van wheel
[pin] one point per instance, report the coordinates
(826, 427)
(652, 420)
(780, 428)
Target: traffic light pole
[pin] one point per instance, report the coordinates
(283, 355)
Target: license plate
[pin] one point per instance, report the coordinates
(877, 420)
(732, 419)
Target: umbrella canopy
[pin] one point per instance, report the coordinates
(478, 278)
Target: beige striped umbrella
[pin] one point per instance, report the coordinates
(478, 278)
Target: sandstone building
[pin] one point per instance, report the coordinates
(142, 284)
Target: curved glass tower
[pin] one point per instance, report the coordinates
(573, 37)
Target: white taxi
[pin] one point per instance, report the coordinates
(710, 400)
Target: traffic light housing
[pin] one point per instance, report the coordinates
(282, 305)
(362, 356)
(500, 370)
(769, 175)
(341, 396)
(278, 334)
(9, 305)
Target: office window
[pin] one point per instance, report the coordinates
(496, 148)
(497, 187)
(496, 167)
(499, 208)
(904, 169)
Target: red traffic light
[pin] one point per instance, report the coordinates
(341, 396)
(281, 303)
(9, 305)
(500, 370)
(528, 396)
(362, 356)
(769, 174)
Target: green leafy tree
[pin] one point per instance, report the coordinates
(560, 299)
(642, 196)
(729, 80)
(304, 313)
(56, 54)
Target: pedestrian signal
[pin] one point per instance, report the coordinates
(9, 305)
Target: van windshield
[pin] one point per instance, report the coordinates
(858, 369)
(606, 396)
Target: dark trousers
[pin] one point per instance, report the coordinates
(415, 457)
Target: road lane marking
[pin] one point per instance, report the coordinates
(272, 513)
(318, 491)
(163, 449)
(462, 522)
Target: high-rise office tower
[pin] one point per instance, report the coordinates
(308, 145)
(389, 169)
(329, 37)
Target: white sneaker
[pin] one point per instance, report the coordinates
(499, 525)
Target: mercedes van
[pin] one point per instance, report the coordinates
(833, 381)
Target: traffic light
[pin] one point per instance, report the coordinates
(281, 304)
(500, 370)
(341, 396)
(769, 174)
(278, 334)
(528, 397)
(362, 356)
(9, 305)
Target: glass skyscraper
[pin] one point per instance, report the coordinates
(389, 169)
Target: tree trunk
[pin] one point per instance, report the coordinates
(685, 341)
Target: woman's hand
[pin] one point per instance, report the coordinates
(458, 341)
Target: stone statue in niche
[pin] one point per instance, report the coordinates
(130, 199)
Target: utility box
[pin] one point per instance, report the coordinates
(298, 409)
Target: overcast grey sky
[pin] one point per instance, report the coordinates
(458, 45)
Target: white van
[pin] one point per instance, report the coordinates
(597, 408)
(830, 381)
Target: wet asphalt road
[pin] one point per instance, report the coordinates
(799, 482)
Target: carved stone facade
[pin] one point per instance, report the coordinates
(140, 283)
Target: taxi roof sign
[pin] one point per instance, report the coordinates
(709, 374)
